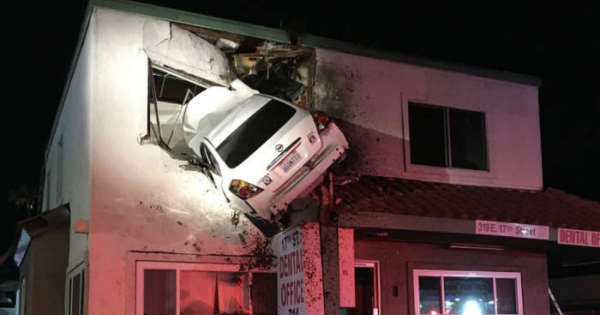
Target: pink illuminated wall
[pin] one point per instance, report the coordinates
(371, 96)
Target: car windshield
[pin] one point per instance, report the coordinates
(255, 131)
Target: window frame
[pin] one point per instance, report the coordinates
(141, 266)
(468, 274)
(373, 264)
(418, 169)
(447, 129)
(80, 270)
(154, 134)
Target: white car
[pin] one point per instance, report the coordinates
(260, 151)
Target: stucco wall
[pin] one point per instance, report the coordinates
(398, 259)
(73, 128)
(142, 200)
(371, 96)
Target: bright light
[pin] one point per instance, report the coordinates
(471, 308)
(433, 313)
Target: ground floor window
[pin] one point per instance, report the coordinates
(467, 292)
(190, 288)
(76, 294)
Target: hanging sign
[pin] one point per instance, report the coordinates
(579, 237)
(299, 273)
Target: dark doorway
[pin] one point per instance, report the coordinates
(366, 290)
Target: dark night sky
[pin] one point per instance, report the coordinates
(556, 43)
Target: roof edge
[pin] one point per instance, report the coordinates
(379, 220)
(333, 44)
(282, 36)
(268, 33)
(77, 51)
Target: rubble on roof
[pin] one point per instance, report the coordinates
(171, 46)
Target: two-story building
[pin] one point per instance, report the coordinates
(440, 203)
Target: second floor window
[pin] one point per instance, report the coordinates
(447, 137)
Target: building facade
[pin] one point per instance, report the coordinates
(440, 155)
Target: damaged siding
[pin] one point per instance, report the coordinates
(371, 98)
(177, 48)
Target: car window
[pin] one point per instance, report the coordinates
(213, 165)
(255, 131)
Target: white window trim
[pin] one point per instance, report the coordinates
(418, 169)
(469, 274)
(82, 271)
(178, 267)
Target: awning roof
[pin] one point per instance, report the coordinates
(550, 207)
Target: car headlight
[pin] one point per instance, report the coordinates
(244, 189)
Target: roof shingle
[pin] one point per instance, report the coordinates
(551, 207)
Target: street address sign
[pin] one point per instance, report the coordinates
(510, 229)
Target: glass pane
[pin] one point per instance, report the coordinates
(467, 139)
(468, 295)
(159, 291)
(430, 295)
(233, 292)
(82, 297)
(507, 296)
(264, 293)
(75, 310)
(197, 292)
(255, 131)
(426, 127)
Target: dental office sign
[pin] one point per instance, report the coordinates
(579, 237)
(509, 229)
(290, 274)
(299, 272)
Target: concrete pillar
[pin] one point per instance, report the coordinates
(330, 260)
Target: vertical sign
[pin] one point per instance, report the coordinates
(299, 270)
(579, 237)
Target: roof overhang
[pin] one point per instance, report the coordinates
(389, 221)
